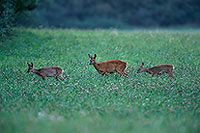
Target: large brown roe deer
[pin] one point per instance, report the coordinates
(108, 66)
(166, 68)
(55, 72)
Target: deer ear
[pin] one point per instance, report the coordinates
(28, 64)
(95, 55)
(89, 55)
(142, 63)
(31, 63)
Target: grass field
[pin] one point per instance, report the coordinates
(89, 103)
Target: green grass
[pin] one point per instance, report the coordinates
(87, 102)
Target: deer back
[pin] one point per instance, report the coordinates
(164, 68)
(50, 71)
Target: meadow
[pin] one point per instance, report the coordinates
(87, 102)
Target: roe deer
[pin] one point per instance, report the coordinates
(55, 72)
(166, 68)
(108, 66)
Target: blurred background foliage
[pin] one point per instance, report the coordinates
(10, 13)
(89, 14)
(114, 13)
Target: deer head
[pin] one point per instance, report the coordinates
(92, 59)
(142, 68)
(30, 67)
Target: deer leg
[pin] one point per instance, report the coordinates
(118, 70)
(159, 73)
(57, 75)
(125, 74)
(61, 77)
(153, 74)
(106, 73)
(43, 77)
(156, 73)
(99, 72)
(123, 71)
(102, 74)
(171, 74)
(56, 78)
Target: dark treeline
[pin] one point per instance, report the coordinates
(115, 13)
(98, 13)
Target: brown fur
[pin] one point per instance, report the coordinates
(55, 72)
(109, 66)
(158, 70)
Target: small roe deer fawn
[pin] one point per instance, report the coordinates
(158, 70)
(108, 66)
(55, 72)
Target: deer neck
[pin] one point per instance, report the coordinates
(36, 71)
(96, 65)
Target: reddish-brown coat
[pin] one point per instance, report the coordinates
(109, 66)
